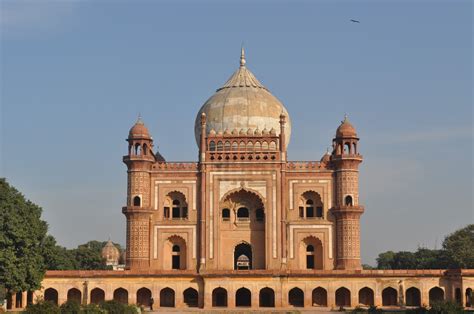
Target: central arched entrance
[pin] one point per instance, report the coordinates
(243, 257)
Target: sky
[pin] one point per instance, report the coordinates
(76, 74)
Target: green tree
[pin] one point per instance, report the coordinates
(385, 260)
(460, 247)
(57, 257)
(22, 234)
(88, 259)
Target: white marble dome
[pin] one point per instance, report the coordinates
(242, 103)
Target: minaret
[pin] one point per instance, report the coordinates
(346, 159)
(138, 210)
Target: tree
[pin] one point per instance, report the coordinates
(22, 234)
(385, 260)
(459, 245)
(57, 257)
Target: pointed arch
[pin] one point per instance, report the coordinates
(219, 297)
(320, 297)
(366, 296)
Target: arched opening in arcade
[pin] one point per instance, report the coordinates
(243, 256)
(389, 297)
(121, 295)
(74, 295)
(191, 297)
(436, 294)
(266, 297)
(219, 297)
(296, 297)
(320, 297)
(97, 295)
(366, 296)
(343, 297)
(51, 295)
(167, 297)
(469, 297)
(413, 297)
(243, 298)
(144, 297)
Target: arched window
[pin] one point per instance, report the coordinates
(175, 257)
(225, 214)
(227, 146)
(265, 145)
(249, 146)
(320, 297)
(272, 145)
(167, 297)
(260, 214)
(137, 201)
(311, 205)
(190, 297)
(219, 297)
(310, 257)
(347, 148)
(354, 148)
(266, 297)
(212, 146)
(469, 297)
(235, 146)
(366, 296)
(258, 146)
(179, 208)
(219, 146)
(243, 213)
(296, 297)
(413, 297)
(242, 146)
(389, 297)
(436, 294)
(145, 149)
(138, 149)
(243, 297)
(348, 200)
(97, 295)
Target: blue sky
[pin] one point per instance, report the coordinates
(75, 75)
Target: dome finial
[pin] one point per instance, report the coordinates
(346, 117)
(242, 56)
(139, 120)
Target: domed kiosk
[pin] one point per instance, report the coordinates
(242, 103)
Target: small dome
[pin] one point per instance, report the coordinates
(258, 132)
(250, 131)
(212, 132)
(139, 130)
(273, 131)
(226, 132)
(346, 129)
(110, 253)
(326, 157)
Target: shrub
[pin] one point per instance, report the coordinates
(70, 307)
(42, 307)
(419, 310)
(114, 307)
(443, 307)
(92, 309)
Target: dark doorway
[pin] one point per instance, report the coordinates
(144, 297)
(436, 294)
(413, 297)
(296, 297)
(243, 297)
(219, 297)
(267, 297)
(167, 297)
(121, 295)
(190, 297)
(389, 297)
(97, 295)
(366, 296)
(175, 258)
(51, 295)
(74, 295)
(343, 297)
(320, 297)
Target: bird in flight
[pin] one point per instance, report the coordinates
(355, 21)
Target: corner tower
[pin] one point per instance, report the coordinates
(347, 211)
(138, 210)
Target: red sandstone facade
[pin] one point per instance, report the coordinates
(244, 226)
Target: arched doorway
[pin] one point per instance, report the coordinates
(343, 297)
(436, 294)
(311, 253)
(469, 297)
(219, 297)
(74, 295)
(190, 297)
(243, 257)
(243, 297)
(121, 295)
(97, 295)
(366, 296)
(320, 297)
(144, 297)
(167, 297)
(51, 295)
(413, 297)
(296, 297)
(389, 297)
(174, 252)
(267, 297)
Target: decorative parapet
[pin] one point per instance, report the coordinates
(176, 166)
(304, 165)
